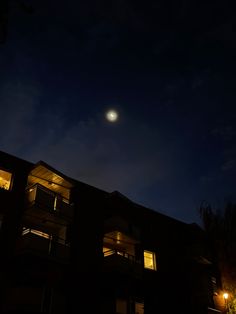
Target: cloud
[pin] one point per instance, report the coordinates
(112, 158)
(19, 103)
(228, 165)
(205, 179)
(224, 32)
(226, 132)
(129, 156)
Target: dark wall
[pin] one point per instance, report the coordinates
(173, 287)
(12, 204)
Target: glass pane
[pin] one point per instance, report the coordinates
(139, 308)
(149, 260)
(5, 180)
(121, 306)
(107, 251)
(36, 232)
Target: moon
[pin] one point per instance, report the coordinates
(112, 115)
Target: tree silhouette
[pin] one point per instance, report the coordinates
(220, 226)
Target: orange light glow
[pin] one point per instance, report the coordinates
(5, 180)
(225, 295)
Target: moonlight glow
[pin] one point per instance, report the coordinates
(112, 115)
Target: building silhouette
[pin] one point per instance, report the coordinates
(68, 247)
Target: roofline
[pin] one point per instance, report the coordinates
(119, 194)
(16, 157)
(43, 163)
(142, 207)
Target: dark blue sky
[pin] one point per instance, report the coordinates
(167, 67)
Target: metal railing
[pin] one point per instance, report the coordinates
(48, 200)
(47, 236)
(44, 244)
(110, 252)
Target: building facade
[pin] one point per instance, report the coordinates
(68, 247)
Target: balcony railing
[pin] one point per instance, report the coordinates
(122, 262)
(43, 244)
(120, 253)
(41, 198)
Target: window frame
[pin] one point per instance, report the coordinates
(153, 254)
(123, 306)
(10, 181)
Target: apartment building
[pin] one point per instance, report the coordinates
(68, 247)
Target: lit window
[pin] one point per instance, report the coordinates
(121, 306)
(150, 260)
(5, 180)
(55, 203)
(139, 308)
(36, 232)
(107, 251)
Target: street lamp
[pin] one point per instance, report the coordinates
(226, 296)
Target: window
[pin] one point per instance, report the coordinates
(107, 251)
(121, 306)
(149, 260)
(37, 232)
(129, 305)
(139, 308)
(5, 180)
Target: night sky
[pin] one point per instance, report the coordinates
(167, 67)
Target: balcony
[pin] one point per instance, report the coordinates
(108, 252)
(119, 254)
(122, 262)
(35, 242)
(45, 204)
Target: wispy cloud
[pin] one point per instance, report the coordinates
(19, 105)
(107, 157)
(226, 132)
(110, 157)
(228, 165)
